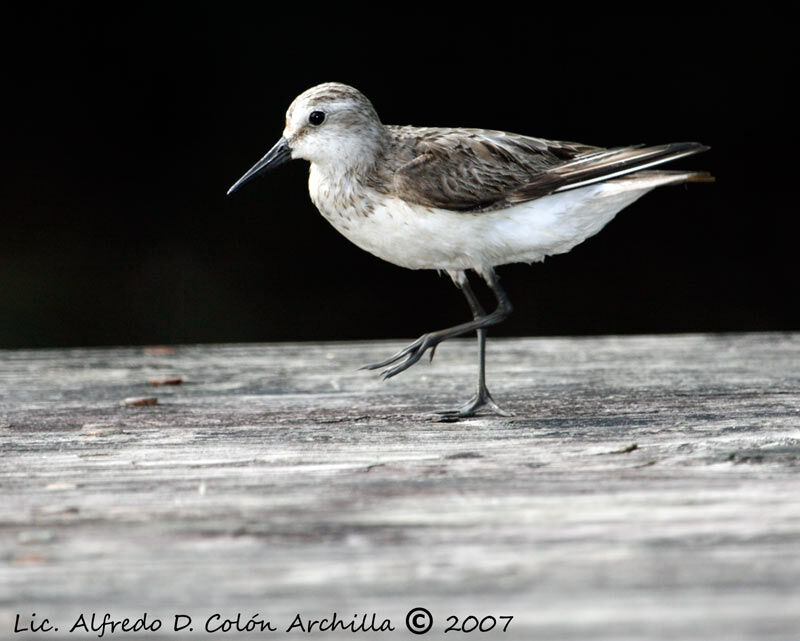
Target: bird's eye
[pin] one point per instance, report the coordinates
(316, 118)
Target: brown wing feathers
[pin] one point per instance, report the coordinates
(479, 170)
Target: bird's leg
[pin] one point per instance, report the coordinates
(415, 350)
(482, 397)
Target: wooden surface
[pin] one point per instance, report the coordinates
(646, 488)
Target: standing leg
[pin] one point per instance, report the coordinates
(482, 396)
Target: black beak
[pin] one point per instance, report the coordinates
(276, 156)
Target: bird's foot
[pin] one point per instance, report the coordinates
(482, 398)
(408, 355)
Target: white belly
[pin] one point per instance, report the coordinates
(419, 237)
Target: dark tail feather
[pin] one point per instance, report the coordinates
(599, 166)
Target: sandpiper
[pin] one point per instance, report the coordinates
(458, 199)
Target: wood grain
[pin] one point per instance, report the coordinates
(646, 487)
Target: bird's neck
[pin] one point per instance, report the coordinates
(341, 186)
(356, 173)
(333, 187)
(345, 193)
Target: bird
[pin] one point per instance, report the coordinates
(458, 200)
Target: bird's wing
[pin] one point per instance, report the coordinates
(478, 170)
(601, 166)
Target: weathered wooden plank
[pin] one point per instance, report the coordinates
(646, 487)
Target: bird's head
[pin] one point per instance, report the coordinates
(331, 125)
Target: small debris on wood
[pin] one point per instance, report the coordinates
(29, 559)
(789, 455)
(625, 450)
(58, 510)
(135, 401)
(159, 350)
(100, 431)
(60, 486)
(342, 419)
(172, 380)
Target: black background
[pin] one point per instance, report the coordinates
(124, 126)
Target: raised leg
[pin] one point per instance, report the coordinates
(411, 354)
